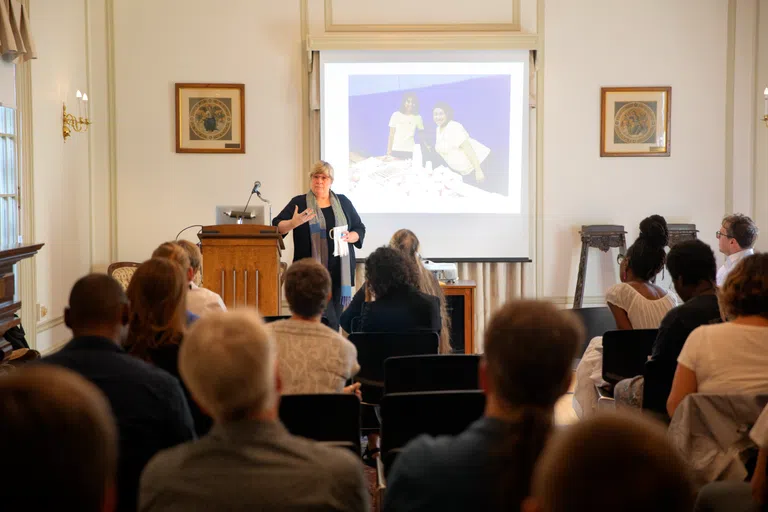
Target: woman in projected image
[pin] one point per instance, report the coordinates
(402, 127)
(455, 149)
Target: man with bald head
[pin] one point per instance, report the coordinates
(148, 403)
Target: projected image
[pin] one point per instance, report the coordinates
(429, 136)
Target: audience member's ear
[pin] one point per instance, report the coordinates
(482, 375)
(531, 504)
(67, 319)
(190, 274)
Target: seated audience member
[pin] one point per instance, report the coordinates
(611, 462)
(731, 357)
(199, 300)
(312, 357)
(736, 236)
(692, 267)
(157, 293)
(248, 461)
(148, 404)
(176, 253)
(60, 443)
(741, 496)
(529, 350)
(636, 303)
(393, 302)
(405, 240)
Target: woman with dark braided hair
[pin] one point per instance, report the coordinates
(636, 303)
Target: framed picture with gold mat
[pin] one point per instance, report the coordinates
(635, 121)
(210, 118)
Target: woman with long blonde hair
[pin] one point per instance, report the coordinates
(157, 294)
(406, 241)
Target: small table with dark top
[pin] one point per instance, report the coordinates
(681, 232)
(601, 237)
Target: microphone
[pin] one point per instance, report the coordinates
(244, 214)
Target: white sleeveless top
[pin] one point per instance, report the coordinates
(643, 313)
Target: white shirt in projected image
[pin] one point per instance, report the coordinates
(448, 145)
(405, 126)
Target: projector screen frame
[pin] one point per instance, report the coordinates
(530, 169)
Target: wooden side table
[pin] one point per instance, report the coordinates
(601, 237)
(463, 291)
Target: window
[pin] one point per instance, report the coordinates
(9, 188)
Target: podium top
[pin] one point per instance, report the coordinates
(241, 231)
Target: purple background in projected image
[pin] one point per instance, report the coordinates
(480, 103)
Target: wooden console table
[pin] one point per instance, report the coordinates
(9, 256)
(460, 296)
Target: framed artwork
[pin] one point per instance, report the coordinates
(635, 121)
(210, 118)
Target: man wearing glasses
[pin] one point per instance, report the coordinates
(736, 237)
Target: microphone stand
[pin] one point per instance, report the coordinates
(269, 203)
(245, 210)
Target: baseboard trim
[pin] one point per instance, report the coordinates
(50, 324)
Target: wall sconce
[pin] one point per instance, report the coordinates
(79, 123)
(765, 107)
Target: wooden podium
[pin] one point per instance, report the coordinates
(241, 262)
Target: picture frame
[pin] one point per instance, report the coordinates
(635, 121)
(210, 118)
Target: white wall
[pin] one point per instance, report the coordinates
(589, 44)
(257, 43)
(62, 172)
(761, 130)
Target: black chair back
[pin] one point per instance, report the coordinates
(407, 415)
(373, 348)
(330, 418)
(597, 321)
(275, 318)
(657, 384)
(408, 374)
(626, 352)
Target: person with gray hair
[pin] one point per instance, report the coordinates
(229, 363)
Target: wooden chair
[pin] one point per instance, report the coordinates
(443, 372)
(122, 272)
(332, 418)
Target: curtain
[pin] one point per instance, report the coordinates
(15, 33)
(496, 284)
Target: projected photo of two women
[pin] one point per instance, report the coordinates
(453, 129)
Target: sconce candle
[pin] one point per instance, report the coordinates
(79, 123)
(765, 107)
